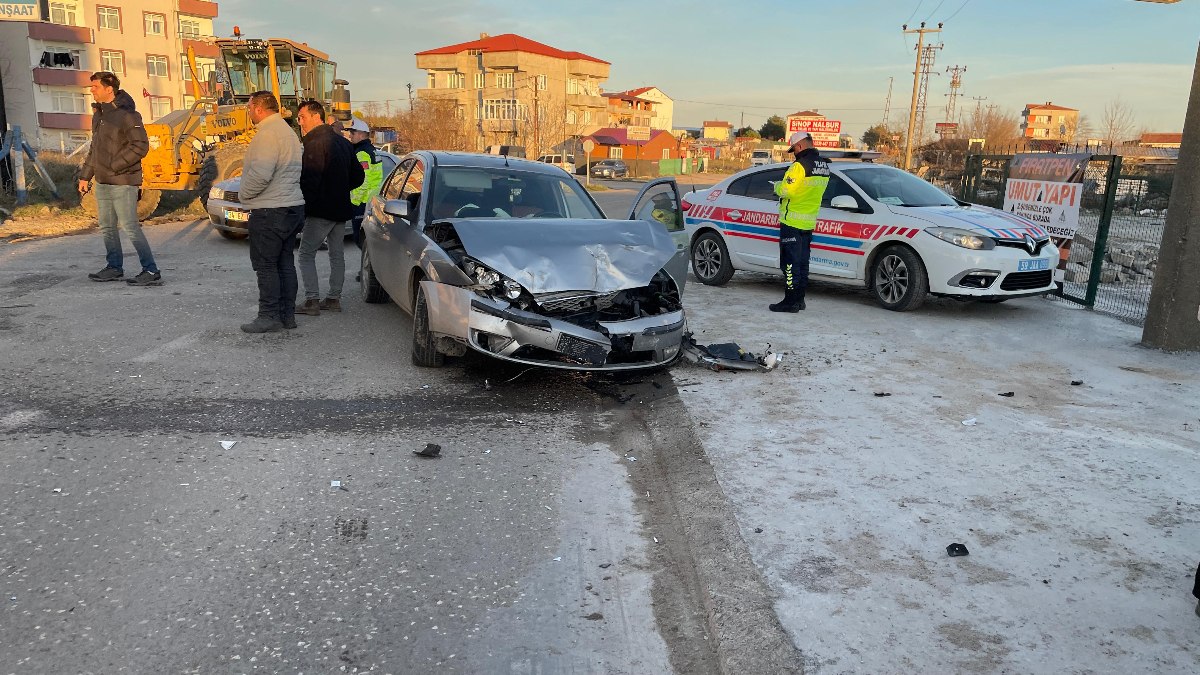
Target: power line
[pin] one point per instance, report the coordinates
(914, 12)
(935, 9)
(960, 8)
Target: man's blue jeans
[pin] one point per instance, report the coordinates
(116, 205)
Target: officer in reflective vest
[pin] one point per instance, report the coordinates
(359, 134)
(799, 195)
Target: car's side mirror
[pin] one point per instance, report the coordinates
(396, 207)
(844, 202)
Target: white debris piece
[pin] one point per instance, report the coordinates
(969, 423)
(228, 445)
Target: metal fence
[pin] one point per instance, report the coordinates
(1111, 262)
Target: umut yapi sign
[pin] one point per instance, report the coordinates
(23, 10)
(1047, 189)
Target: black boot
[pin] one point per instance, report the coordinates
(792, 302)
(263, 324)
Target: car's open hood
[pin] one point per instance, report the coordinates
(981, 219)
(555, 254)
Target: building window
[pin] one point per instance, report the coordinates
(504, 80)
(57, 57)
(587, 116)
(432, 81)
(63, 13)
(69, 102)
(108, 18)
(159, 106)
(1041, 133)
(189, 29)
(479, 80)
(113, 62)
(541, 82)
(666, 153)
(571, 118)
(156, 24)
(156, 66)
(455, 80)
(503, 109)
(460, 112)
(572, 86)
(616, 153)
(203, 68)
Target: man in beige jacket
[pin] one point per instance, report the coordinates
(271, 188)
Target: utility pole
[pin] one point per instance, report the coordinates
(887, 104)
(1173, 317)
(955, 82)
(978, 104)
(912, 109)
(410, 99)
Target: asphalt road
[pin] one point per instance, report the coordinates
(570, 524)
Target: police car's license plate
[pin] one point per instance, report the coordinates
(1033, 265)
(240, 216)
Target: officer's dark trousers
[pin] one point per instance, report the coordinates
(272, 238)
(794, 247)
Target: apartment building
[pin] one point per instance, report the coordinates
(510, 90)
(1049, 121)
(627, 110)
(664, 106)
(143, 41)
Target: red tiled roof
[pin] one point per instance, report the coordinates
(807, 113)
(1047, 106)
(510, 42)
(625, 96)
(639, 91)
(717, 123)
(1161, 138)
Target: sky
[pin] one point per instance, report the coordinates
(742, 62)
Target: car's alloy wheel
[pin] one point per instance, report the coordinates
(424, 348)
(898, 279)
(710, 260)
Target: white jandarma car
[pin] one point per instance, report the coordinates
(879, 228)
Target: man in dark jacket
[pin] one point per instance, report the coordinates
(114, 163)
(330, 170)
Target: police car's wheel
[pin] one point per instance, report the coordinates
(898, 279)
(710, 260)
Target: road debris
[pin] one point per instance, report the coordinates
(883, 393)
(228, 445)
(594, 616)
(956, 549)
(969, 422)
(727, 356)
(558, 559)
(1076, 383)
(605, 566)
(758, 530)
(1007, 394)
(431, 450)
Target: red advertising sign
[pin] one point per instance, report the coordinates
(820, 126)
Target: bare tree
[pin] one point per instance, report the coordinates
(1078, 130)
(434, 125)
(996, 128)
(1117, 122)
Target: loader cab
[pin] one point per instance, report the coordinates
(301, 72)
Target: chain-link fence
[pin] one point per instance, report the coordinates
(1111, 262)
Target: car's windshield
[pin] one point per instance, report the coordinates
(895, 187)
(477, 192)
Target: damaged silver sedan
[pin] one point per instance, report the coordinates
(513, 259)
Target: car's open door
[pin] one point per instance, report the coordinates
(659, 202)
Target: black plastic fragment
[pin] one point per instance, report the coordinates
(1007, 394)
(955, 550)
(431, 450)
(1076, 383)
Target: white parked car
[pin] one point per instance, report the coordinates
(879, 227)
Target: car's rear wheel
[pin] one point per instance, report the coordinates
(370, 288)
(899, 281)
(424, 349)
(710, 260)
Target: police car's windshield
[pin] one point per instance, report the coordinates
(896, 188)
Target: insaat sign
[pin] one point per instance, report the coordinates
(29, 10)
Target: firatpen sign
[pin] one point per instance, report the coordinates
(27, 10)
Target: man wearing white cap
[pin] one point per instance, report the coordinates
(799, 195)
(359, 134)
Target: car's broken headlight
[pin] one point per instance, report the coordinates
(498, 284)
(963, 238)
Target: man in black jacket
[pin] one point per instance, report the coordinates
(114, 163)
(330, 171)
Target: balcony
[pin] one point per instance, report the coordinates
(585, 101)
(57, 33)
(69, 121)
(61, 77)
(202, 49)
(438, 62)
(198, 8)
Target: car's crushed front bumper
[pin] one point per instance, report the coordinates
(505, 332)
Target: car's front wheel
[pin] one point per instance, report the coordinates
(710, 260)
(424, 349)
(899, 281)
(370, 287)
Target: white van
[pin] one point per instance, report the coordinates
(564, 162)
(760, 157)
